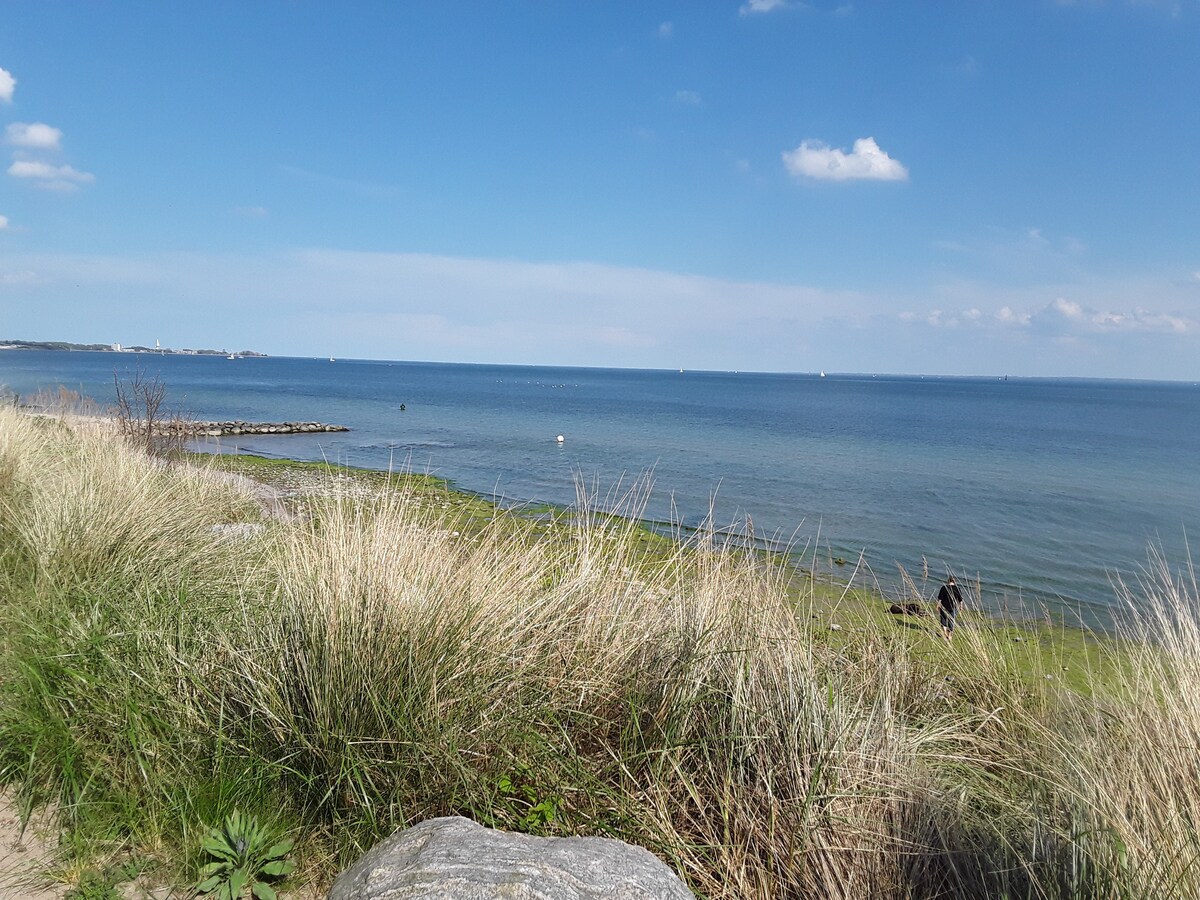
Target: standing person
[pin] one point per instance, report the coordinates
(949, 600)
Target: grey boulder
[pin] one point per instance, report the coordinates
(457, 858)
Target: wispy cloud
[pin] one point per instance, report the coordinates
(1062, 314)
(818, 161)
(371, 189)
(666, 29)
(688, 98)
(33, 136)
(250, 212)
(1061, 317)
(48, 176)
(20, 278)
(3, 223)
(1029, 256)
(965, 66)
(750, 7)
(1009, 248)
(422, 306)
(7, 85)
(1173, 8)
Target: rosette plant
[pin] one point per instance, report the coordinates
(246, 855)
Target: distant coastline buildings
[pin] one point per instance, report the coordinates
(117, 347)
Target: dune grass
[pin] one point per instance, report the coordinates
(400, 651)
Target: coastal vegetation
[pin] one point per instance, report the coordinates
(376, 649)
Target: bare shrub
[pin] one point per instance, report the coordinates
(62, 401)
(143, 417)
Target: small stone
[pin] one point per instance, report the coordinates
(238, 531)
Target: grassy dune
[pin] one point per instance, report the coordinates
(398, 651)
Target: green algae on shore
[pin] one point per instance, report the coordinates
(1075, 657)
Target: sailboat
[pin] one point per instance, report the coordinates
(822, 373)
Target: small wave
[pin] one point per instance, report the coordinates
(407, 445)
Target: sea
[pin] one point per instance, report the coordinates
(1041, 491)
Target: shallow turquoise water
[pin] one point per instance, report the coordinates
(1043, 488)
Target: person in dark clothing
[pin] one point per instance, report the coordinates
(949, 600)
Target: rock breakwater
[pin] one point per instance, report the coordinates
(226, 429)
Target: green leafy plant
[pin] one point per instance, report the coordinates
(93, 885)
(246, 855)
(525, 804)
(103, 884)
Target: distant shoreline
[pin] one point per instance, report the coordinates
(119, 348)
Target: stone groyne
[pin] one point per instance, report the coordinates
(226, 429)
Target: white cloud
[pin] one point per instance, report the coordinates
(761, 6)
(33, 135)
(45, 175)
(7, 85)
(20, 278)
(1144, 320)
(1061, 318)
(813, 159)
(687, 98)
(1008, 316)
(940, 318)
(3, 222)
(1068, 309)
(666, 29)
(250, 212)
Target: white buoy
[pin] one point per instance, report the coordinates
(560, 438)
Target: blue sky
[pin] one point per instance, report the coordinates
(942, 188)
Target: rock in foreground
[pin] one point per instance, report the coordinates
(456, 858)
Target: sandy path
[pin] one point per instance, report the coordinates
(23, 857)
